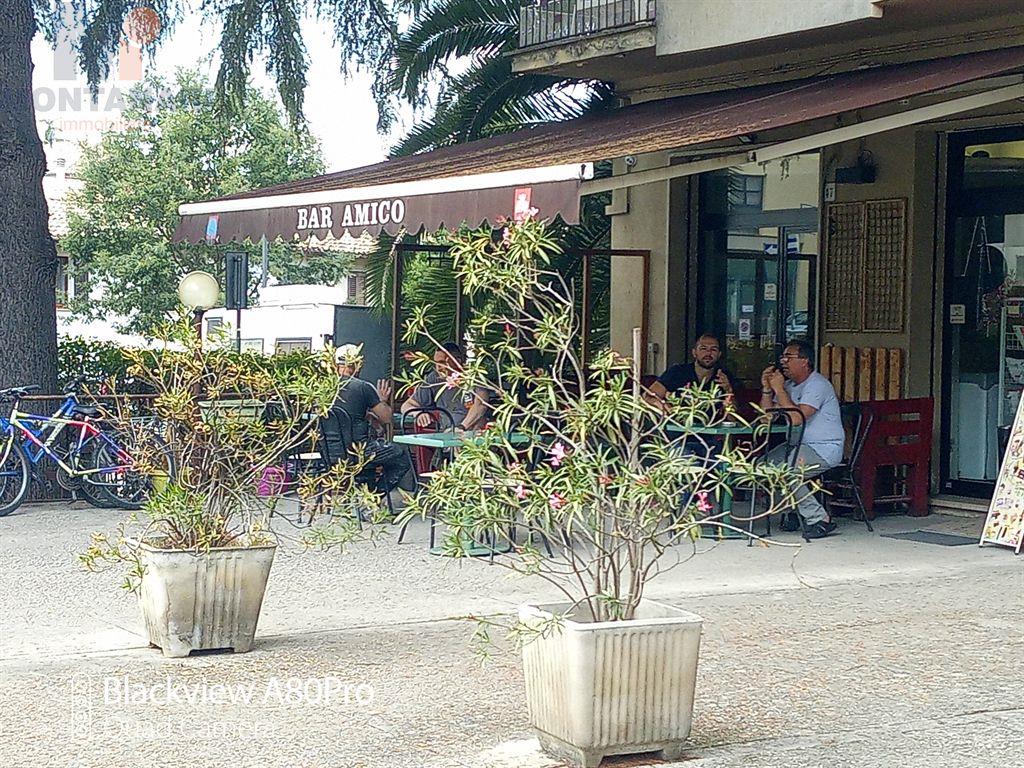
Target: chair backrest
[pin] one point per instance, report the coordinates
(445, 422)
(336, 432)
(859, 420)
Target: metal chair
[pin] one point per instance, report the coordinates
(845, 477)
(337, 433)
(426, 460)
(793, 420)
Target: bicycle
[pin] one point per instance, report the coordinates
(89, 460)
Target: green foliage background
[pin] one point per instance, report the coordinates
(177, 148)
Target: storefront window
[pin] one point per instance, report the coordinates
(752, 220)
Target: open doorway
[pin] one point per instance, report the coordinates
(983, 375)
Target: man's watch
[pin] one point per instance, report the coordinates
(767, 392)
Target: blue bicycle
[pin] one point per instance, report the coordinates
(106, 467)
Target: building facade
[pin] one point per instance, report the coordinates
(898, 243)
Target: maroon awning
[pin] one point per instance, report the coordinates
(545, 167)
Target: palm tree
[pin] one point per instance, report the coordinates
(486, 97)
(365, 31)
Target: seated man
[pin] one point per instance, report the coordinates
(702, 371)
(470, 411)
(362, 402)
(799, 386)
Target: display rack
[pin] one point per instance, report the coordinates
(1011, 358)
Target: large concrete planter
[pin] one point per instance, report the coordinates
(612, 688)
(199, 601)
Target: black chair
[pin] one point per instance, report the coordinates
(793, 421)
(843, 479)
(337, 434)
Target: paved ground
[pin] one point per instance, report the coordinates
(854, 651)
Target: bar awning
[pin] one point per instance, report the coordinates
(549, 167)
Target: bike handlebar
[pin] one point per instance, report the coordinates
(15, 393)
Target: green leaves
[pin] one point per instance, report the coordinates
(177, 148)
(609, 479)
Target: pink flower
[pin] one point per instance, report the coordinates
(532, 213)
(604, 479)
(506, 235)
(643, 480)
(520, 492)
(508, 329)
(558, 454)
(453, 380)
(703, 505)
(556, 500)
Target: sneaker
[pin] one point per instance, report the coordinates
(819, 530)
(790, 522)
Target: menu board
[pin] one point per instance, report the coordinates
(1005, 522)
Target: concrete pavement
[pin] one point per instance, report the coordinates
(857, 650)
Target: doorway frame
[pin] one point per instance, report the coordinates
(958, 203)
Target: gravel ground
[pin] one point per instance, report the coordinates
(862, 651)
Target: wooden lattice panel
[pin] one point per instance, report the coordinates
(885, 249)
(844, 267)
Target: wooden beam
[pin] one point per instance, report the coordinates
(849, 375)
(895, 374)
(882, 374)
(864, 374)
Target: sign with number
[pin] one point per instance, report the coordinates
(1005, 522)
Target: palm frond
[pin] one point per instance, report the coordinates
(451, 29)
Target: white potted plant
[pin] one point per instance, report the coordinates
(200, 554)
(602, 499)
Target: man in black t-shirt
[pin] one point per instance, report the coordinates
(362, 402)
(701, 372)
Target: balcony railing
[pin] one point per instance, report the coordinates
(547, 21)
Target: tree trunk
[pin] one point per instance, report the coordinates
(28, 256)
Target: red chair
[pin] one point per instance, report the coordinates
(900, 437)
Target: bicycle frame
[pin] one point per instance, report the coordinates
(40, 433)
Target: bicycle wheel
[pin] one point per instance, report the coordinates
(14, 474)
(116, 475)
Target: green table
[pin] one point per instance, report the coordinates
(450, 441)
(727, 430)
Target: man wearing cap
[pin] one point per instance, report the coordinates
(362, 402)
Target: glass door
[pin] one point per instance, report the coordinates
(984, 369)
(758, 255)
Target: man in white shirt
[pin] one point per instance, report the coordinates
(802, 388)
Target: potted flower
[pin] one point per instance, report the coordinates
(611, 490)
(201, 553)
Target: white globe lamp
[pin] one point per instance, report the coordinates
(199, 290)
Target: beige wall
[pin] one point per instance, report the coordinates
(650, 217)
(697, 25)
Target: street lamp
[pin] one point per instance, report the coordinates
(198, 291)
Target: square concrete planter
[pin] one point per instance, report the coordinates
(200, 601)
(612, 688)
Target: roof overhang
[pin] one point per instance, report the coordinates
(549, 168)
